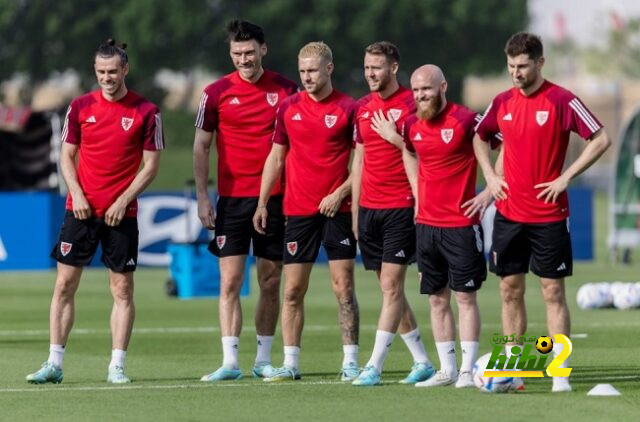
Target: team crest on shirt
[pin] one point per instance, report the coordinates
(541, 117)
(272, 98)
(292, 248)
(126, 123)
(446, 135)
(330, 120)
(65, 248)
(395, 114)
(220, 241)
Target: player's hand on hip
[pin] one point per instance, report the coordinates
(330, 205)
(81, 207)
(205, 214)
(115, 213)
(498, 187)
(478, 204)
(551, 190)
(260, 219)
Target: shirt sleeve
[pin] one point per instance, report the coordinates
(495, 140)
(153, 137)
(207, 117)
(580, 120)
(71, 127)
(487, 127)
(280, 131)
(405, 131)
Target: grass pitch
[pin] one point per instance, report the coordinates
(175, 342)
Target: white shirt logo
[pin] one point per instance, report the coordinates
(234, 101)
(330, 120)
(417, 137)
(395, 114)
(272, 98)
(296, 117)
(91, 119)
(541, 117)
(507, 117)
(365, 115)
(126, 123)
(446, 135)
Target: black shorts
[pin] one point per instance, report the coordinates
(387, 235)
(303, 235)
(234, 232)
(545, 247)
(450, 256)
(78, 241)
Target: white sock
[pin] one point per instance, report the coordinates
(117, 358)
(264, 349)
(291, 356)
(447, 355)
(230, 351)
(350, 354)
(416, 347)
(381, 347)
(469, 355)
(557, 381)
(509, 353)
(56, 354)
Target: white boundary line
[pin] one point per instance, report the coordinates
(54, 388)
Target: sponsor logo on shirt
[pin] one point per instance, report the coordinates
(292, 248)
(126, 123)
(395, 114)
(234, 101)
(220, 241)
(541, 117)
(446, 135)
(65, 248)
(272, 98)
(91, 119)
(418, 137)
(507, 117)
(330, 120)
(296, 117)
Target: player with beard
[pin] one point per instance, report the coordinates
(241, 109)
(383, 211)
(531, 227)
(441, 167)
(312, 141)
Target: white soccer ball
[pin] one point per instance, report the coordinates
(493, 384)
(594, 295)
(626, 296)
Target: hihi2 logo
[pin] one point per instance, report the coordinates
(528, 364)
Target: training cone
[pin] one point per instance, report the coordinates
(603, 390)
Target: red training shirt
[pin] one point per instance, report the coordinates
(384, 181)
(446, 165)
(243, 114)
(320, 137)
(535, 132)
(111, 137)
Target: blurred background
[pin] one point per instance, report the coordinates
(176, 47)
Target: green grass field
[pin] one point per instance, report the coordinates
(176, 342)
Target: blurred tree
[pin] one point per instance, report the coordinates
(461, 36)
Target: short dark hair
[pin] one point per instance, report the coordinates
(524, 43)
(244, 31)
(385, 48)
(110, 49)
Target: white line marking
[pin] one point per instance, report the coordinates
(49, 388)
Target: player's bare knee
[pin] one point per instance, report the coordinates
(465, 299)
(554, 294)
(65, 287)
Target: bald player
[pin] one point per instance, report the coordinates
(441, 167)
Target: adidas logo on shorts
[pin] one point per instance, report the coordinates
(131, 262)
(401, 254)
(562, 267)
(345, 242)
(469, 283)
